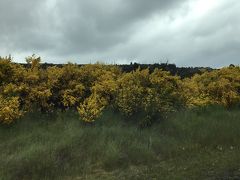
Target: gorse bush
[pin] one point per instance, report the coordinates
(220, 87)
(9, 109)
(90, 89)
(148, 94)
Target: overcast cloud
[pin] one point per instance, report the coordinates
(185, 32)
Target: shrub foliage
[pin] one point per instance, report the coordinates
(91, 88)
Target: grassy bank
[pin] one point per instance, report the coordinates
(197, 144)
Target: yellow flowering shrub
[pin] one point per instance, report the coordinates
(9, 72)
(72, 97)
(102, 87)
(193, 92)
(67, 90)
(9, 109)
(132, 91)
(106, 86)
(91, 88)
(216, 87)
(148, 94)
(91, 108)
(166, 91)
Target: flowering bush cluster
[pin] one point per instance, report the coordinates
(9, 109)
(217, 87)
(90, 89)
(149, 95)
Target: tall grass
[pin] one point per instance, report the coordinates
(193, 144)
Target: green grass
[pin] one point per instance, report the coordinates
(196, 144)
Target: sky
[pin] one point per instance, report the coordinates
(185, 32)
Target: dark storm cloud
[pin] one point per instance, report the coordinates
(100, 25)
(122, 30)
(72, 27)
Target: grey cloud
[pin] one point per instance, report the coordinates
(212, 40)
(24, 26)
(121, 31)
(97, 26)
(73, 27)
